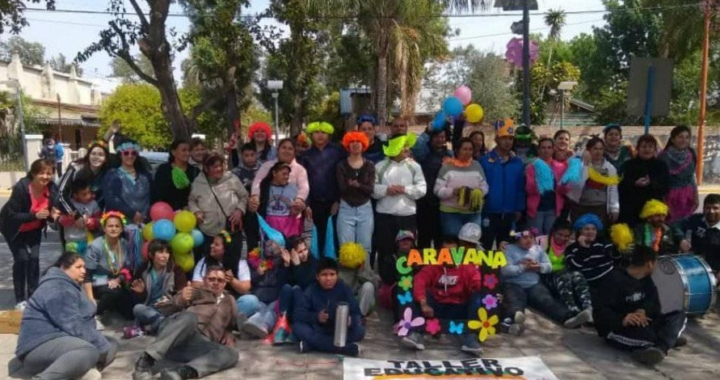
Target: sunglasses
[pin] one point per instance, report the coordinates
(216, 279)
(129, 153)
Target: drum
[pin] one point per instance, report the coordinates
(684, 282)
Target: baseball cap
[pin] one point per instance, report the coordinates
(471, 233)
(404, 235)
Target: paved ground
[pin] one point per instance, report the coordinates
(571, 355)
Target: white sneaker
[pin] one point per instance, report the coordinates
(99, 325)
(579, 320)
(519, 318)
(92, 374)
(21, 305)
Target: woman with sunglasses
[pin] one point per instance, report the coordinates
(127, 188)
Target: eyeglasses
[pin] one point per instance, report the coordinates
(216, 279)
(129, 153)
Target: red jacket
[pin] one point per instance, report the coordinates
(449, 285)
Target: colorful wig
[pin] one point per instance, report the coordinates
(113, 214)
(588, 219)
(355, 136)
(352, 255)
(259, 126)
(396, 144)
(653, 207)
(320, 126)
(622, 236)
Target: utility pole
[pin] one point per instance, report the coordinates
(703, 92)
(526, 63)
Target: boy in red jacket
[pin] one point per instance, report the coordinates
(447, 292)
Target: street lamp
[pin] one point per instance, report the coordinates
(276, 86)
(564, 87)
(14, 83)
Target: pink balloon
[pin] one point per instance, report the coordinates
(145, 250)
(464, 94)
(161, 210)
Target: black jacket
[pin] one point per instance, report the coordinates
(17, 210)
(633, 198)
(622, 294)
(164, 189)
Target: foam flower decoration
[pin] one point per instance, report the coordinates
(408, 322)
(404, 298)
(514, 52)
(406, 283)
(484, 324)
(433, 326)
(490, 281)
(113, 214)
(490, 302)
(456, 327)
(320, 126)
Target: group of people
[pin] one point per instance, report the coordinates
(376, 199)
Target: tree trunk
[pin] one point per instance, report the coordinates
(171, 106)
(297, 119)
(381, 98)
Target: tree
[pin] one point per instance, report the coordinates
(121, 69)
(62, 65)
(11, 14)
(150, 35)
(491, 86)
(555, 19)
(31, 53)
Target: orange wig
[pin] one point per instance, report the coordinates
(355, 136)
(259, 126)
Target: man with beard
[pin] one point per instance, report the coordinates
(704, 232)
(655, 234)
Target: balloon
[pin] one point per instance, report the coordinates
(474, 113)
(161, 210)
(182, 243)
(198, 237)
(464, 94)
(438, 122)
(164, 230)
(185, 221)
(147, 232)
(185, 261)
(452, 106)
(145, 251)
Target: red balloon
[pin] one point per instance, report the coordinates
(145, 251)
(161, 210)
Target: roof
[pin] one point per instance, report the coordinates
(583, 105)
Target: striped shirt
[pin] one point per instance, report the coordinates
(593, 262)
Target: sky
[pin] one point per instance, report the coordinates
(71, 33)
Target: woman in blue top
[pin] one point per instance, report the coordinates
(127, 188)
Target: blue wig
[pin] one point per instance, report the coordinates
(543, 176)
(588, 219)
(573, 173)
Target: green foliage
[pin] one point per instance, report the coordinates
(11, 14)
(61, 64)
(490, 86)
(31, 53)
(121, 69)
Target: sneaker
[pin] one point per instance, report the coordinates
(519, 318)
(92, 374)
(281, 336)
(291, 339)
(352, 349)
(591, 320)
(681, 341)
(130, 332)
(579, 319)
(179, 373)
(99, 325)
(304, 348)
(21, 305)
(254, 330)
(471, 345)
(413, 341)
(648, 356)
(143, 367)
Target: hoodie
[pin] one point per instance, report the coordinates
(57, 309)
(316, 299)
(446, 284)
(246, 174)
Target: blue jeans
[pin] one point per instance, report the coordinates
(147, 315)
(542, 222)
(452, 222)
(258, 312)
(355, 224)
(288, 295)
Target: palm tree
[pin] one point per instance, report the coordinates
(379, 20)
(555, 19)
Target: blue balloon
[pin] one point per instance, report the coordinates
(453, 107)
(438, 122)
(164, 230)
(198, 237)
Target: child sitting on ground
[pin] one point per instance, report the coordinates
(569, 285)
(587, 255)
(358, 276)
(314, 315)
(522, 287)
(446, 292)
(298, 272)
(86, 220)
(154, 284)
(405, 242)
(628, 313)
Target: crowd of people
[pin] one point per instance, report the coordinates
(376, 199)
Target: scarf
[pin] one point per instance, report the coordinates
(557, 249)
(457, 163)
(680, 162)
(180, 178)
(653, 241)
(606, 180)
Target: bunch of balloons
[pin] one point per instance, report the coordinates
(455, 106)
(177, 228)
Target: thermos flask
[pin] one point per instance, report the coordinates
(341, 324)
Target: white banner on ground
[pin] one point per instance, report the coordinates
(526, 368)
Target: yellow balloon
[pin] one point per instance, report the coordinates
(147, 232)
(185, 261)
(474, 113)
(185, 221)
